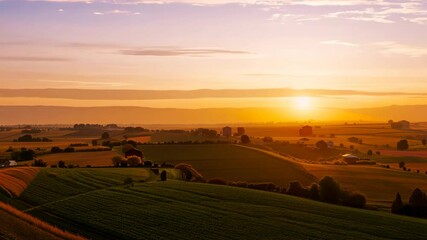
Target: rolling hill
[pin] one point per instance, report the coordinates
(94, 203)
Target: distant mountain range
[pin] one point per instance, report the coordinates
(140, 115)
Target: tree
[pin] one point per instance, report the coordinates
(355, 199)
(94, 142)
(402, 145)
(370, 152)
(134, 161)
(61, 164)
(55, 150)
(267, 139)
(295, 189)
(417, 198)
(105, 135)
(424, 141)
(397, 205)
(117, 161)
(329, 190)
(245, 139)
(322, 145)
(401, 164)
(314, 192)
(163, 176)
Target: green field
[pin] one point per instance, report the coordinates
(93, 202)
(230, 162)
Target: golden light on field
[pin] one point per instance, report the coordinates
(303, 103)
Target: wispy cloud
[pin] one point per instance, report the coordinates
(402, 49)
(94, 94)
(338, 42)
(192, 52)
(87, 83)
(34, 59)
(122, 12)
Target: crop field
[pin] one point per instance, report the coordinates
(380, 185)
(69, 198)
(100, 158)
(13, 181)
(229, 162)
(180, 137)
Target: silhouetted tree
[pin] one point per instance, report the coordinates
(245, 139)
(401, 164)
(418, 203)
(424, 141)
(314, 192)
(355, 199)
(329, 190)
(402, 145)
(370, 152)
(295, 189)
(397, 205)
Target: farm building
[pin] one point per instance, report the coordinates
(8, 163)
(400, 125)
(350, 158)
(227, 131)
(306, 131)
(134, 152)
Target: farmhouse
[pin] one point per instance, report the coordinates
(8, 163)
(226, 131)
(134, 152)
(306, 131)
(350, 159)
(400, 125)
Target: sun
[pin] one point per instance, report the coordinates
(302, 103)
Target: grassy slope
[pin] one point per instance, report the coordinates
(12, 227)
(93, 201)
(230, 162)
(101, 158)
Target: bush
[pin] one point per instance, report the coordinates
(329, 190)
(355, 199)
(69, 149)
(55, 150)
(245, 139)
(134, 161)
(53, 166)
(218, 181)
(163, 176)
(117, 160)
(39, 163)
(370, 153)
(322, 145)
(148, 164)
(262, 186)
(61, 164)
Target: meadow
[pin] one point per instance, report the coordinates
(229, 162)
(94, 159)
(94, 203)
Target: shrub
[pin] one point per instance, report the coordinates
(245, 139)
(148, 164)
(322, 145)
(134, 161)
(262, 186)
(55, 150)
(218, 181)
(53, 166)
(61, 164)
(39, 163)
(163, 176)
(189, 173)
(355, 199)
(117, 160)
(329, 190)
(370, 152)
(69, 149)
(401, 164)
(88, 166)
(128, 181)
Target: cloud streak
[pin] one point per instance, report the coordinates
(34, 59)
(192, 52)
(88, 94)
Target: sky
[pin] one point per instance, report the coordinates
(359, 45)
